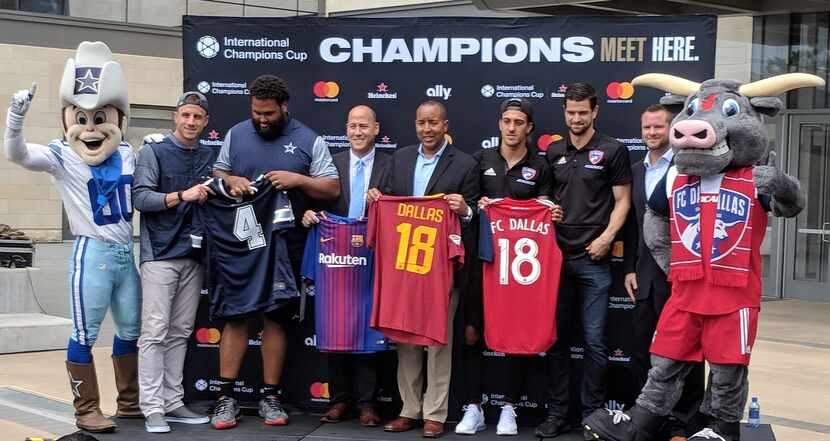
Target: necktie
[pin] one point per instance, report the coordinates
(357, 193)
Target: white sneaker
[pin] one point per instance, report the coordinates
(154, 423)
(507, 421)
(472, 422)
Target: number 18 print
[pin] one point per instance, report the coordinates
(522, 262)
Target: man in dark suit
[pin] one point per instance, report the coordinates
(645, 282)
(353, 377)
(433, 166)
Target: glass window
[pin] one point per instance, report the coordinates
(8, 4)
(794, 43)
(55, 7)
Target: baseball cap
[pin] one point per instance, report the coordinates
(194, 98)
(520, 104)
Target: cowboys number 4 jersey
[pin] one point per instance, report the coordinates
(246, 254)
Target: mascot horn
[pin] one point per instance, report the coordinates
(704, 224)
(92, 168)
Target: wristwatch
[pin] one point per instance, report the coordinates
(179, 194)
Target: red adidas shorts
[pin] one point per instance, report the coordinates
(722, 339)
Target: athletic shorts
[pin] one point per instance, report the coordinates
(721, 339)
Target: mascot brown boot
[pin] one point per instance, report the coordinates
(126, 381)
(84, 384)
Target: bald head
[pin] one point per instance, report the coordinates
(363, 111)
(361, 129)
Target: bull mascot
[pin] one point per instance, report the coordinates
(92, 168)
(704, 225)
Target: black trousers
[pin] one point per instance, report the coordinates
(353, 378)
(583, 293)
(646, 315)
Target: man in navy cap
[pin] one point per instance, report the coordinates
(168, 178)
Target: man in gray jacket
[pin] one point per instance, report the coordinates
(168, 178)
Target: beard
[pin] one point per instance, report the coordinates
(582, 130)
(273, 130)
(663, 144)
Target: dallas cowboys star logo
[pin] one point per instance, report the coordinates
(86, 80)
(76, 384)
(290, 147)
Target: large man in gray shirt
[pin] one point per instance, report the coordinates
(168, 177)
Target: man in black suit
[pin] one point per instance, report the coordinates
(645, 282)
(433, 166)
(353, 377)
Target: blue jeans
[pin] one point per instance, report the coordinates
(102, 275)
(584, 291)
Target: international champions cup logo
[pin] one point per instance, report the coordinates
(207, 46)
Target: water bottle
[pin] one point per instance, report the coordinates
(754, 419)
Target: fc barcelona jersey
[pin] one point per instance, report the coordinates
(340, 265)
(417, 243)
(522, 265)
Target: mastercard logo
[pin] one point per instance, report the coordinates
(326, 89)
(319, 390)
(545, 140)
(617, 91)
(208, 335)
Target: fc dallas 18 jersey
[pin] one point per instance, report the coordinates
(338, 262)
(417, 243)
(521, 271)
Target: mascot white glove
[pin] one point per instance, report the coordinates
(18, 107)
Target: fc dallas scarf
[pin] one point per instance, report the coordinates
(729, 261)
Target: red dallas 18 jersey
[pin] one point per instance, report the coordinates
(521, 271)
(417, 241)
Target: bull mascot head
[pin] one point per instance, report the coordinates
(718, 127)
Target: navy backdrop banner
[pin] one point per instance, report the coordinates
(469, 64)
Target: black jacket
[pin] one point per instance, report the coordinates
(651, 280)
(456, 172)
(380, 167)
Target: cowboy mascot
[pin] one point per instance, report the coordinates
(705, 224)
(92, 168)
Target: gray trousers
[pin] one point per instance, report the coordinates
(725, 396)
(168, 309)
